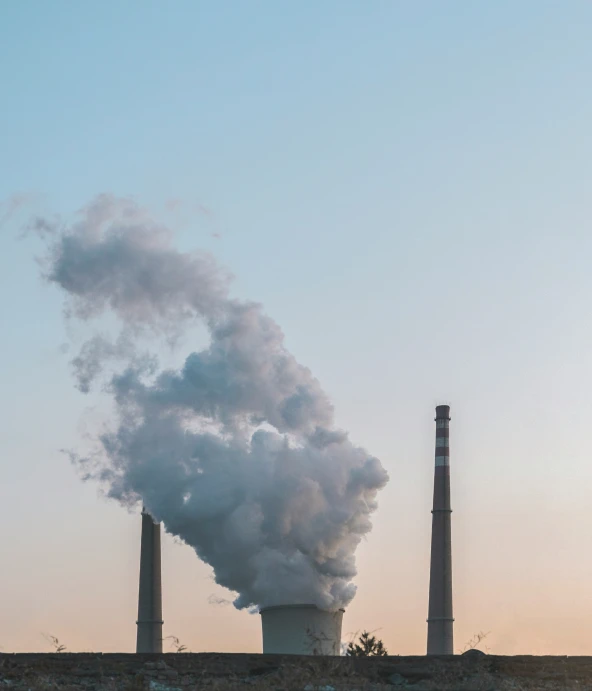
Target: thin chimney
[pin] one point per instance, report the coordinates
(440, 619)
(150, 595)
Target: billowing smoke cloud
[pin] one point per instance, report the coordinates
(236, 451)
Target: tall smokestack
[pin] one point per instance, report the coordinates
(150, 596)
(440, 620)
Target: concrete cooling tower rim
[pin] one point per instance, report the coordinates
(331, 611)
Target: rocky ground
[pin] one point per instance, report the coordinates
(223, 672)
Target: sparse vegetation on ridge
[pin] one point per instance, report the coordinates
(474, 642)
(55, 643)
(176, 644)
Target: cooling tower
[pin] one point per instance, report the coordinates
(440, 620)
(150, 594)
(301, 630)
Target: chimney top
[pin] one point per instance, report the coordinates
(443, 412)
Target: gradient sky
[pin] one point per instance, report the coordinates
(406, 187)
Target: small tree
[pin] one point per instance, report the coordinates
(367, 646)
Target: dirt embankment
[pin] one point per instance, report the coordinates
(223, 672)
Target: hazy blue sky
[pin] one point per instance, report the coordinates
(406, 187)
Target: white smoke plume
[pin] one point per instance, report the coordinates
(236, 452)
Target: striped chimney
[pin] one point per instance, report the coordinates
(150, 594)
(440, 620)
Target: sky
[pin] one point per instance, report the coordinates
(406, 188)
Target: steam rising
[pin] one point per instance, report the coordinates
(236, 452)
